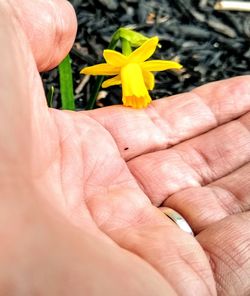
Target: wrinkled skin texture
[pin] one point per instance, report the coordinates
(80, 191)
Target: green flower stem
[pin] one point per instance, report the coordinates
(50, 96)
(126, 48)
(94, 93)
(66, 84)
(99, 80)
(114, 40)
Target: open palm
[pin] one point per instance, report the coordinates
(108, 170)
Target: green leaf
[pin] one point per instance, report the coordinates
(66, 84)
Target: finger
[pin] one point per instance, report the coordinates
(195, 162)
(23, 120)
(227, 245)
(50, 27)
(203, 206)
(139, 227)
(169, 121)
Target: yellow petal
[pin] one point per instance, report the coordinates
(158, 65)
(112, 81)
(134, 91)
(144, 52)
(101, 69)
(114, 58)
(149, 79)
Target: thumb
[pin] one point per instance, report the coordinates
(50, 26)
(25, 120)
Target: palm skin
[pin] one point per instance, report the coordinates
(106, 171)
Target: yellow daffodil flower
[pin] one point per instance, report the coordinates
(133, 72)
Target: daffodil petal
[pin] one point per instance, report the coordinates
(114, 58)
(144, 52)
(158, 65)
(101, 69)
(112, 81)
(149, 79)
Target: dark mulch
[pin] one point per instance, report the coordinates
(211, 45)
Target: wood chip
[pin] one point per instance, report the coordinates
(82, 84)
(232, 5)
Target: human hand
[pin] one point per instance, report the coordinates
(91, 178)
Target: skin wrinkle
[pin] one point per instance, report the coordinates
(196, 179)
(222, 257)
(205, 160)
(126, 233)
(199, 179)
(194, 99)
(93, 170)
(142, 212)
(223, 156)
(108, 135)
(245, 252)
(227, 262)
(243, 124)
(60, 145)
(221, 278)
(105, 189)
(219, 107)
(139, 219)
(209, 166)
(237, 257)
(222, 194)
(169, 190)
(243, 118)
(80, 203)
(220, 281)
(191, 266)
(104, 124)
(223, 204)
(160, 124)
(62, 140)
(140, 182)
(216, 119)
(154, 263)
(136, 172)
(225, 184)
